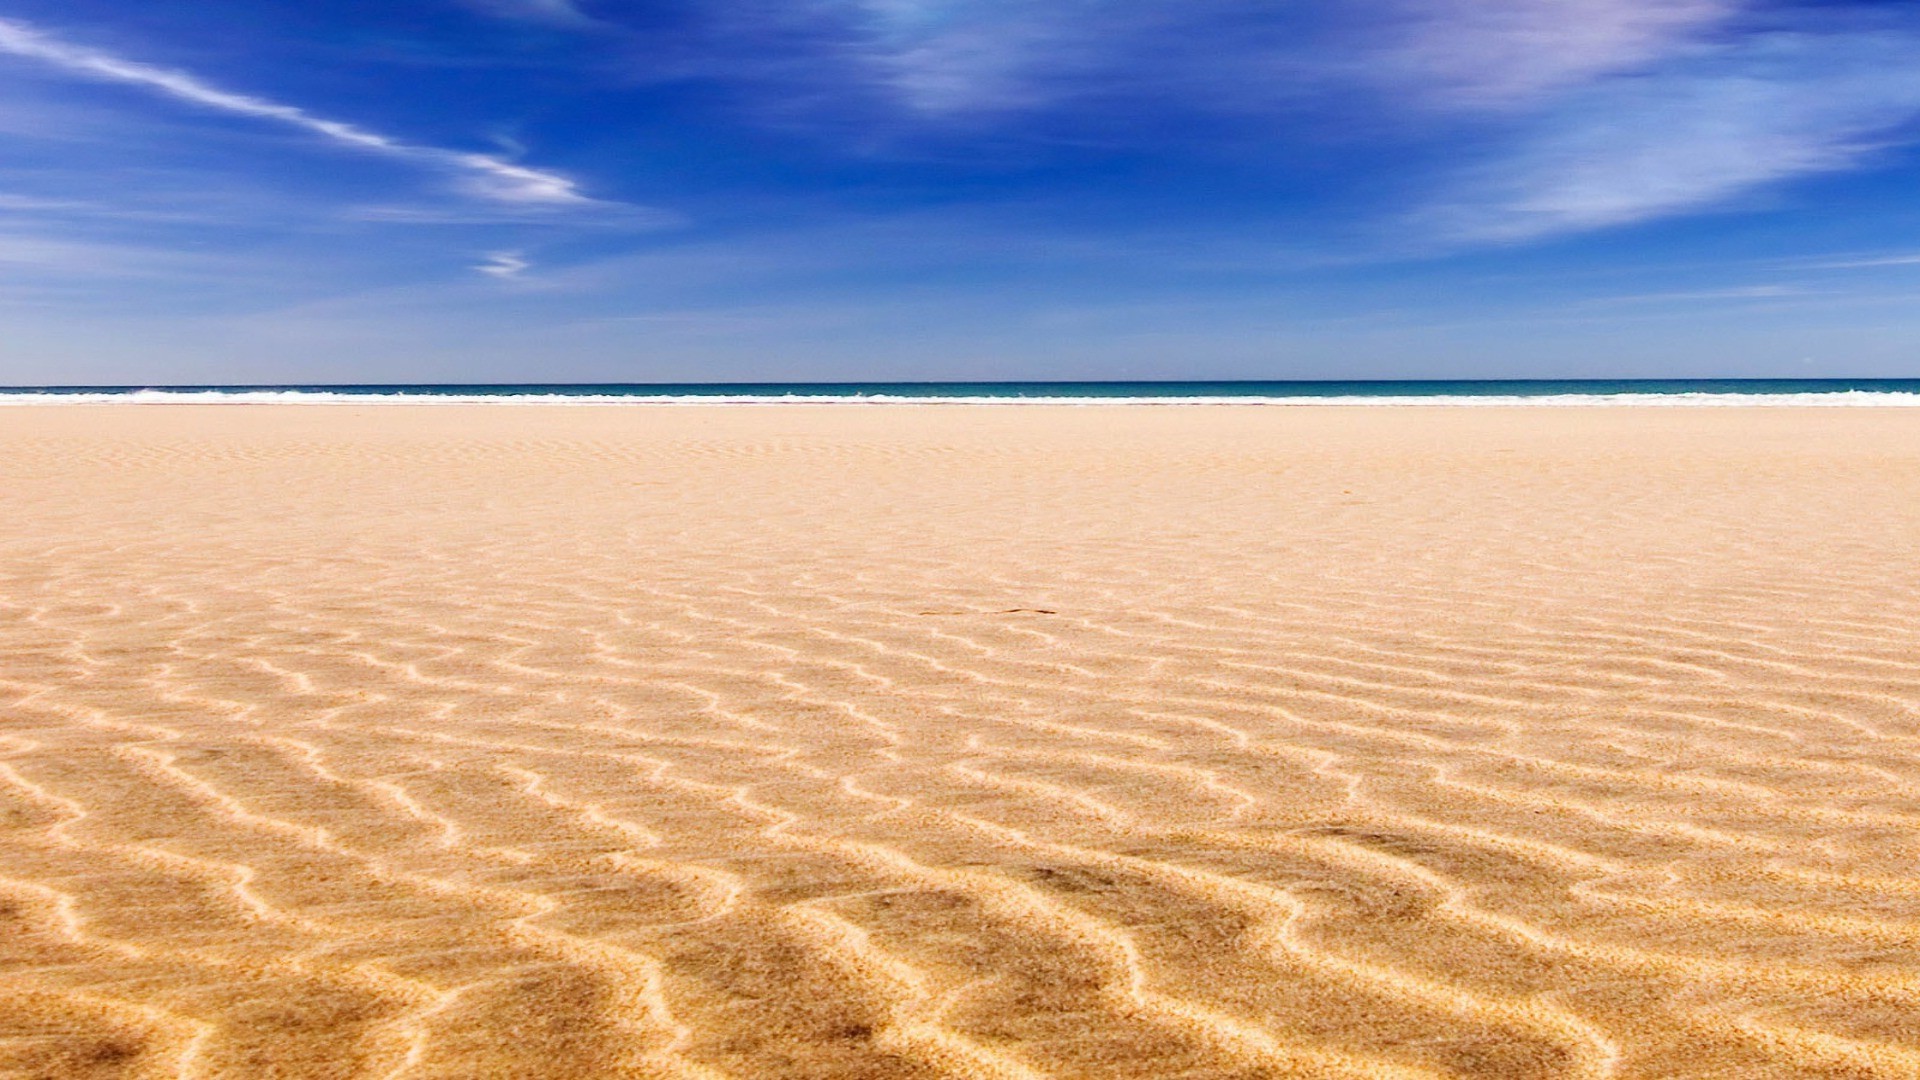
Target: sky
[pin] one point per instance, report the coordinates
(324, 191)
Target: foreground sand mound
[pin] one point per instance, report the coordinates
(849, 742)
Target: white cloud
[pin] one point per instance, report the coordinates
(942, 56)
(597, 215)
(555, 12)
(1694, 136)
(1481, 53)
(945, 56)
(35, 203)
(483, 174)
(504, 265)
(1870, 263)
(37, 257)
(1739, 292)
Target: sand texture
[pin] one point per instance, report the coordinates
(1006, 742)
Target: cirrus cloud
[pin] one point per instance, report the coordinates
(483, 175)
(1694, 135)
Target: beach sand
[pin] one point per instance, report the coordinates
(867, 741)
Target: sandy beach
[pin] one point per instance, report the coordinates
(1003, 742)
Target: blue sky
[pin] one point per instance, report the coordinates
(603, 190)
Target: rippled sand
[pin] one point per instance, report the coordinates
(973, 742)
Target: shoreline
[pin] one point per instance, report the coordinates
(1836, 400)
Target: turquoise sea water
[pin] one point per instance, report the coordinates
(1461, 392)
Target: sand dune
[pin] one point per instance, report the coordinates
(842, 742)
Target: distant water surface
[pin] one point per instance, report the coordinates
(1415, 392)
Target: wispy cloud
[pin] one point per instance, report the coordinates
(945, 56)
(940, 56)
(1871, 263)
(1739, 292)
(483, 175)
(504, 265)
(1694, 135)
(44, 258)
(37, 204)
(1481, 53)
(554, 12)
(599, 215)
(1567, 116)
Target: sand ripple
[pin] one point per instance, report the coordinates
(1035, 743)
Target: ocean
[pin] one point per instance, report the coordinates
(1869, 392)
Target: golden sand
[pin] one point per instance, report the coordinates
(837, 742)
